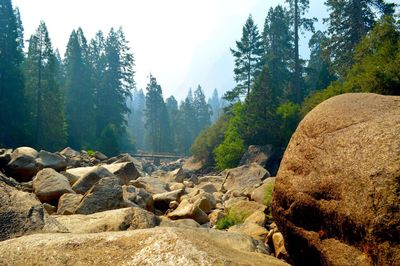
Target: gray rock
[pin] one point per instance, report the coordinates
(51, 160)
(49, 185)
(125, 171)
(150, 184)
(104, 195)
(68, 203)
(90, 177)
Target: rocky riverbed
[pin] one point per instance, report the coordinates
(335, 201)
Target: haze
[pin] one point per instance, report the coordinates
(182, 42)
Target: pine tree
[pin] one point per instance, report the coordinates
(136, 118)
(248, 60)
(298, 9)
(187, 124)
(279, 47)
(12, 115)
(172, 109)
(157, 122)
(46, 100)
(349, 21)
(114, 86)
(202, 110)
(79, 94)
(318, 75)
(214, 102)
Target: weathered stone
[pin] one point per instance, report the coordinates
(177, 176)
(251, 229)
(161, 201)
(91, 175)
(150, 184)
(21, 213)
(125, 171)
(50, 209)
(208, 187)
(259, 193)
(68, 203)
(187, 210)
(51, 160)
(176, 186)
(5, 157)
(112, 220)
(279, 245)
(247, 208)
(216, 180)
(155, 246)
(182, 223)
(257, 217)
(104, 195)
(68, 152)
(139, 196)
(49, 185)
(23, 165)
(205, 201)
(337, 190)
(100, 156)
(244, 178)
(215, 216)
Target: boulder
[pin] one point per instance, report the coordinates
(112, 220)
(100, 156)
(21, 213)
(257, 217)
(279, 246)
(104, 195)
(155, 246)
(150, 184)
(162, 201)
(51, 160)
(207, 187)
(188, 210)
(138, 196)
(125, 171)
(50, 209)
(245, 178)
(168, 177)
(259, 193)
(251, 229)
(69, 153)
(215, 216)
(336, 196)
(182, 223)
(68, 203)
(23, 165)
(5, 157)
(49, 185)
(91, 175)
(246, 208)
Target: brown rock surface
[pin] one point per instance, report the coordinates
(337, 189)
(155, 246)
(49, 185)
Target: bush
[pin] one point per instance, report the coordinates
(231, 218)
(208, 140)
(268, 195)
(91, 153)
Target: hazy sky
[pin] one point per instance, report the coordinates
(183, 43)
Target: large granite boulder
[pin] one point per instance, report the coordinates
(150, 184)
(138, 196)
(104, 195)
(112, 220)
(89, 177)
(155, 246)
(244, 179)
(125, 171)
(23, 165)
(49, 185)
(51, 160)
(21, 213)
(68, 203)
(336, 197)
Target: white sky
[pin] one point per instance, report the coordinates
(183, 43)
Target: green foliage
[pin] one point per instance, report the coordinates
(231, 150)
(208, 140)
(268, 194)
(231, 218)
(91, 153)
(289, 117)
(108, 143)
(375, 69)
(248, 60)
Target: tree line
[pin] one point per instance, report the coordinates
(88, 99)
(358, 52)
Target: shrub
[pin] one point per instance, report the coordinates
(91, 153)
(231, 218)
(268, 195)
